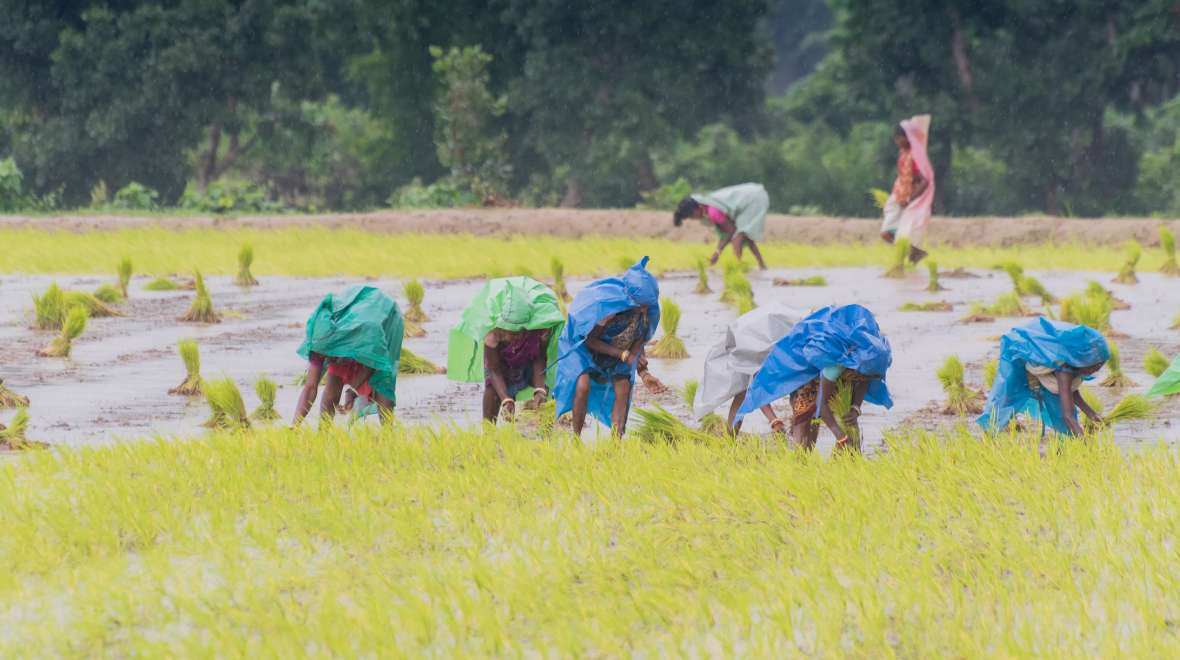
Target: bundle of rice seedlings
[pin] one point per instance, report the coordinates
(191, 355)
(415, 293)
(731, 265)
(745, 304)
(411, 329)
(711, 423)
(1089, 310)
(960, 399)
(161, 284)
(95, 307)
(108, 294)
(880, 197)
(1168, 242)
(227, 410)
(412, 363)
(266, 389)
(932, 284)
(124, 271)
(1015, 273)
(1114, 370)
(1155, 363)
(937, 306)
(702, 277)
(201, 310)
(14, 437)
(1031, 286)
(840, 403)
(1008, 304)
(1096, 289)
(990, 369)
(669, 346)
(1127, 272)
(659, 425)
(1131, 407)
(557, 269)
(814, 280)
(245, 260)
(49, 308)
(10, 399)
(1095, 404)
(736, 287)
(73, 326)
(901, 252)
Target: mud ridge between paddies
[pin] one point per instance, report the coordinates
(575, 223)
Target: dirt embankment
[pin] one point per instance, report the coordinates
(574, 223)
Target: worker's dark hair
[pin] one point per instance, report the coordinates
(685, 209)
(898, 131)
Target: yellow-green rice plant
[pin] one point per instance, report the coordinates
(1007, 304)
(161, 284)
(1127, 272)
(190, 354)
(901, 253)
(1175, 323)
(227, 409)
(879, 197)
(412, 363)
(814, 280)
(745, 303)
(702, 277)
(266, 389)
(840, 403)
(1154, 362)
(1168, 242)
(201, 310)
(71, 328)
(1114, 370)
(1087, 309)
(124, 271)
(245, 260)
(661, 426)
(1096, 289)
(557, 269)
(735, 286)
(730, 264)
(711, 423)
(108, 294)
(990, 369)
(1131, 407)
(1031, 286)
(932, 284)
(412, 329)
(936, 306)
(10, 399)
(415, 294)
(669, 346)
(15, 436)
(49, 308)
(1015, 273)
(94, 307)
(960, 399)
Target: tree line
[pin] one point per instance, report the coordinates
(219, 105)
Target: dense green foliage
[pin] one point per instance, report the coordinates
(221, 106)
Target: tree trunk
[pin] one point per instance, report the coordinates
(573, 193)
(646, 174)
(209, 168)
(962, 62)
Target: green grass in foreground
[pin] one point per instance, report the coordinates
(321, 252)
(419, 542)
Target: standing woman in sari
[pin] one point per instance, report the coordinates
(736, 213)
(907, 211)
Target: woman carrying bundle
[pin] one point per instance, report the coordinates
(356, 336)
(734, 360)
(736, 213)
(832, 349)
(601, 348)
(907, 211)
(506, 340)
(1043, 364)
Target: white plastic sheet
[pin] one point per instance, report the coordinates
(734, 360)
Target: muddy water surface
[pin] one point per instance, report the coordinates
(115, 384)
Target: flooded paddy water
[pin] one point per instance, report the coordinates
(115, 384)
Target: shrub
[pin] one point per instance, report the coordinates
(136, 197)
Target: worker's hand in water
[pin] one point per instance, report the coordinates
(778, 426)
(507, 409)
(539, 396)
(714, 257)
(652, 383)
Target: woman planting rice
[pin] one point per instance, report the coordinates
(836, 352)
(1043, 364)
(506, 339)
(357, 337)
(736, 213)
(907, 211)
(601, 347)
(734, 360)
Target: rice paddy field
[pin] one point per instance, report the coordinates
(137, 531)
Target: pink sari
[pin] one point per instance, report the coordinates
(916, 215)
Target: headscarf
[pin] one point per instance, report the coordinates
(361, 324)
(916, 215)
(734, 360)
